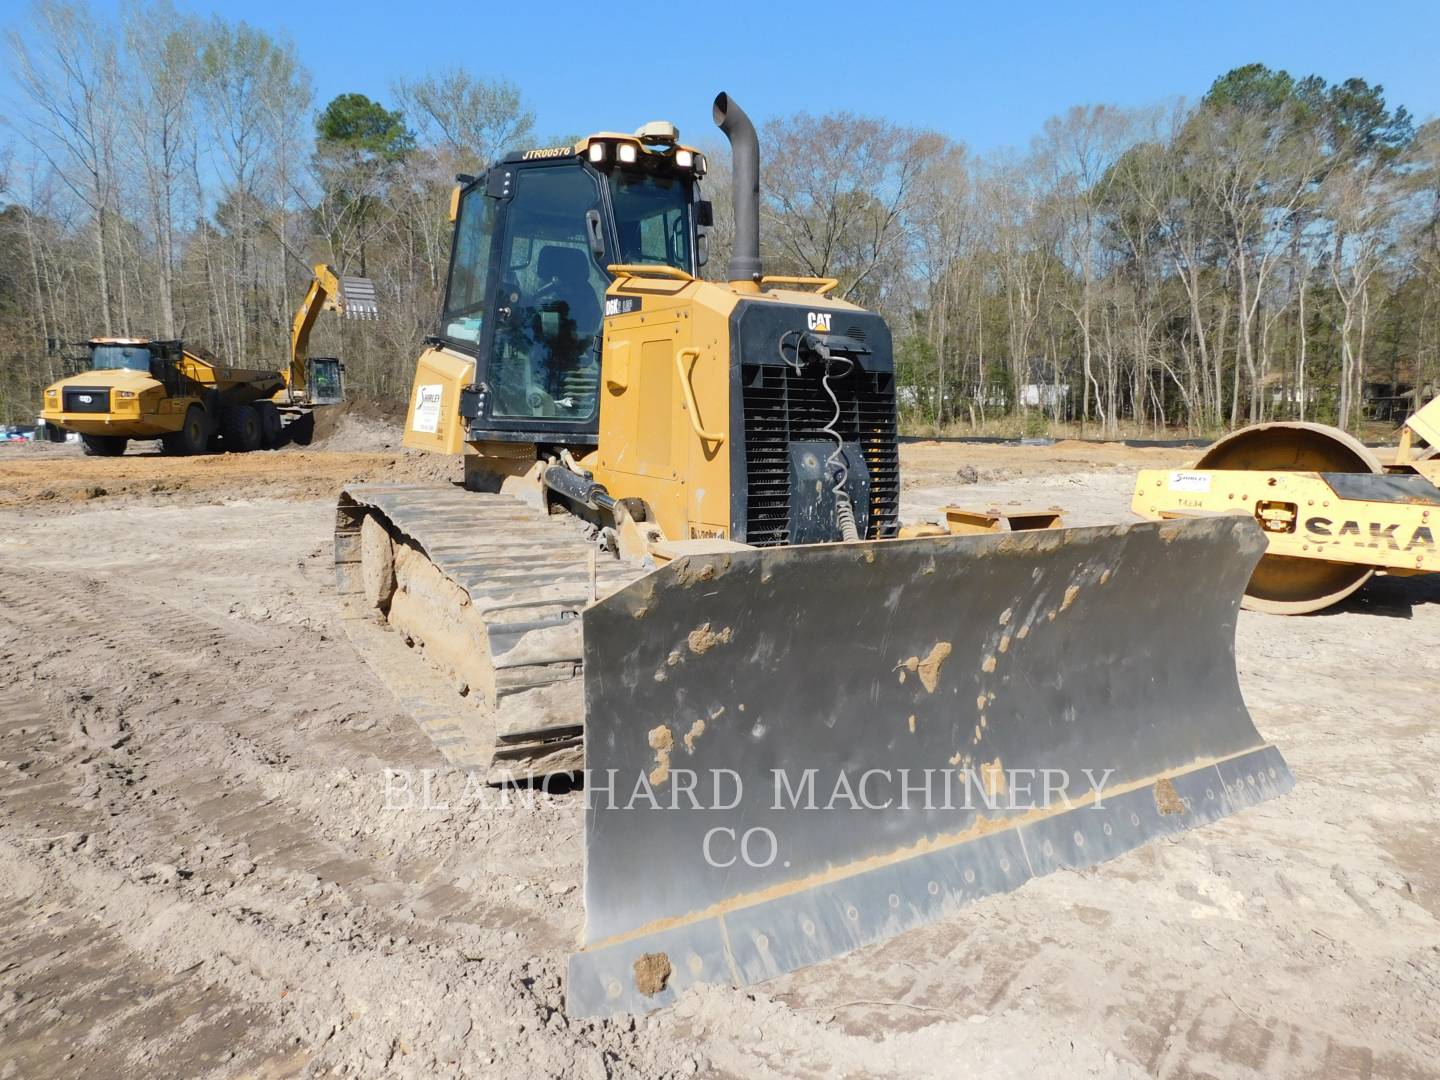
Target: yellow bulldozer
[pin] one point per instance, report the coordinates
(1333, 514)
(676, 562)
(142, 388)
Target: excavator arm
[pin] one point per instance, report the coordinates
(350, 297)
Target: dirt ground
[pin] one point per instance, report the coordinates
(198, 875)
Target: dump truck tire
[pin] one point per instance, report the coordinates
(271, 427)
(193, 436)
(1282, 584)
(104, 445)
(240, 428)
(301, 430)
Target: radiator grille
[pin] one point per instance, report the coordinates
(782, 407)
(75, 399)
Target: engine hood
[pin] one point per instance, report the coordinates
(117, 379)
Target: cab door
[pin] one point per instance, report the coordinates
(540, 345)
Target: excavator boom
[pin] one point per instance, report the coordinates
(350, 297)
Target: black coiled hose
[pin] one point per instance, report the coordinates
(835, 463)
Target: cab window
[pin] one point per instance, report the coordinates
(465, 295)
(546, 359)
(116, 357)
(652, 217)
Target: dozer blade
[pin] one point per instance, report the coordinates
(792, 752)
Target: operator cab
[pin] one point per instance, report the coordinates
(108, 355)
(158, 359)
(525, 296)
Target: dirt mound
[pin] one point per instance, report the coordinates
(354, 428)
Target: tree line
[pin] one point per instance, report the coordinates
(1270, 251)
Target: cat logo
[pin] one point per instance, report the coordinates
(86, 399)
(818, 320)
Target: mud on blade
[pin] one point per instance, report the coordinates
(844, 741)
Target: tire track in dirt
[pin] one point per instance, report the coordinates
(226, 848)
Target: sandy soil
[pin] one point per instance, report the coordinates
(198, 875)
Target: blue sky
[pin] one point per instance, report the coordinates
(986, 73)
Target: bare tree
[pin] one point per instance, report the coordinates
(159, 125)
(1361, 205)
(1077, 153)
(67, 69)
(838, 192)
(1256, 166)
(472, 120)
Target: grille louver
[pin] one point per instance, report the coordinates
(83, 399)
(782, 407)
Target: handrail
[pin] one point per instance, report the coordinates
(649, 270)
(825, 283)
(689, 392)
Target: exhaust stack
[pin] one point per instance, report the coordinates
(745, 187)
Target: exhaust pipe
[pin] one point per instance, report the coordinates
(745, 187)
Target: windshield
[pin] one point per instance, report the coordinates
(652, 217)
(115, 357)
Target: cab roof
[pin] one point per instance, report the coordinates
(657, 138)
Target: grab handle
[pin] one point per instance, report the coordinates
(689, 392)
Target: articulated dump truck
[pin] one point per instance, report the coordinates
(676, 562)
(136, 388)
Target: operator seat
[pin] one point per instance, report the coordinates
(567, 271)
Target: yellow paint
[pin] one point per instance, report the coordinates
(647, 445)
(139, 406)
(452, 372)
